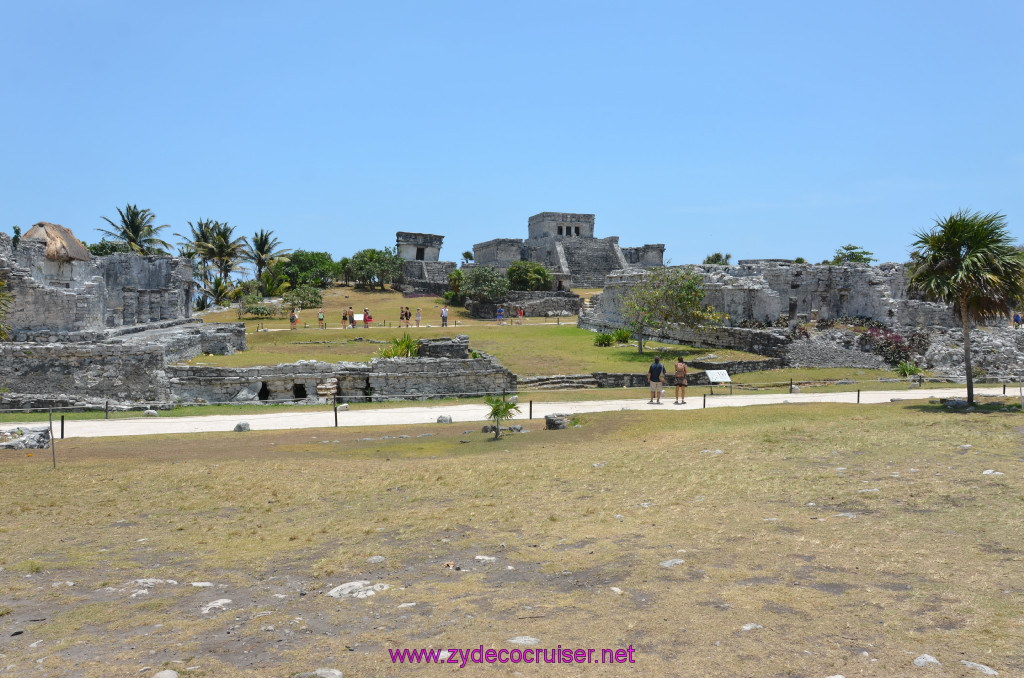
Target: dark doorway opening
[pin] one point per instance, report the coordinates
(299, 391)
(420, 253)
(264, 393)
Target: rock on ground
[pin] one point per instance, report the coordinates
(242, 426)
(924, 660)
(444, 419)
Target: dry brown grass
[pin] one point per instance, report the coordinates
(930, 564)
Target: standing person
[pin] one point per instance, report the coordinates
(1016, 320)
(444, 316)
(344, 317)
(408, 316)
(352, 317)
(401, 316)
(680, 380)
(419, 315)
(501, 315)
(320, 318)
(522, 314)
(293, 318)
(655, 373)
(366, 318)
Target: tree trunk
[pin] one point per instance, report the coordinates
(969, 370)
(639, 341)
(497, 428)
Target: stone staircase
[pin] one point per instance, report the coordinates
(557, 382)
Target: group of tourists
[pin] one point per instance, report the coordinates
(349, 318)
(405, 315)
(518, 316)
(656, 377)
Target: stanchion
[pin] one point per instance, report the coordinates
(106, 410)
(705, 401)
(790, 385)
(62, 427)
(858, 396)
(531, 409)
(335, 411)
(53, 447)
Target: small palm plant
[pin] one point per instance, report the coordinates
(400, 347)
(502, 409)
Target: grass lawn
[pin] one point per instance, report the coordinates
(845, 541)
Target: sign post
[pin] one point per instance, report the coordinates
(718, 377)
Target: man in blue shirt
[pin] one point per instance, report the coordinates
(654, 376)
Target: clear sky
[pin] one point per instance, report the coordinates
(762, 129)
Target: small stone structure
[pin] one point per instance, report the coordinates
(422, 272)
(564, 242)
(444, 369)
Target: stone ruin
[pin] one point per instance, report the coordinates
(760, 295)
(565, 243)
(87, 329)
(422, 272)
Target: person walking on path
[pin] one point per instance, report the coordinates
(444, 316)
(1016, 320)
(320, 318)
(501, 315)
(366, 318)
(680, 381)
(419, 315)
(655, 373)
(293, 318)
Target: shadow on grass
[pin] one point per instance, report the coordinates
(996, 407)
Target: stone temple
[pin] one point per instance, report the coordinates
(422, 273)
(564, 242)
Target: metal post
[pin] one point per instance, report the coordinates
(53, 448)
(1021, 387)
(858, 396)
(62, 427)
(335, 411)
(531, 409)
(106, 410)
(790, 385)
(705, 401)
(920, 380)
(1004, 389)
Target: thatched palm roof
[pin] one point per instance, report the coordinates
(61, 243)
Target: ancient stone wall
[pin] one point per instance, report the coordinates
(419, 246)
(500, 252)
(564, 224)
(105, 292)
(646, 256)
(379, 380)
(445, 347)
(535, 305)
(98, 371)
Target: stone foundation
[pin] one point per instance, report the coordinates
(535, 305)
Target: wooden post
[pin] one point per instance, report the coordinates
(790, 385)
(53, 448)
(62, 427)
(106, 410)
(705, 401)
(531, 409)
(335, 411)
(858, 396)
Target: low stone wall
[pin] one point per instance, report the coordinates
(425, 277)
(379, 380)
(535, 305)
(445, 347)
(114, 371)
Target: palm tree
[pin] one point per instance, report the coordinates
(273, 282)
(219, 290)
(501, 410)
(262, 250)
(224, 250)
(970, 261)
(137, 231)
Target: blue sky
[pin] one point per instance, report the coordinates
(776, 129)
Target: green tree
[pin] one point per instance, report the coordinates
(376, 267)
(345, 269)
(193, 247)
(135, 228)
(486, 284)
(666, 296)
(105, 248)
(467, 256)
(219, 290)
(262, 250)
(456, 280)
(274, 282)
(718, 258)
(852, 254)
(969, 260)
(528, 276)
(17, 237)
(799, 260)
(501, 410)
(310, 268)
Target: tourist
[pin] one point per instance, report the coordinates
(352, 317)
(366, 318)
(680, 380)
(1016, 320)
(522, 314)
(320, 318)
(293, 318)
(444, 316)
(344, 317)
(401, 316)
(655, 373)
(408, 316)
(419, 315)
(501, 315)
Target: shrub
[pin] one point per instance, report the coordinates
(886, 343)
(621, 336)
(485, 284)
(303, 296)
(400, 347)
(907, 369)
(604, 339)
(528, 276)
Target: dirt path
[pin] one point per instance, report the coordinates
(91, 428)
